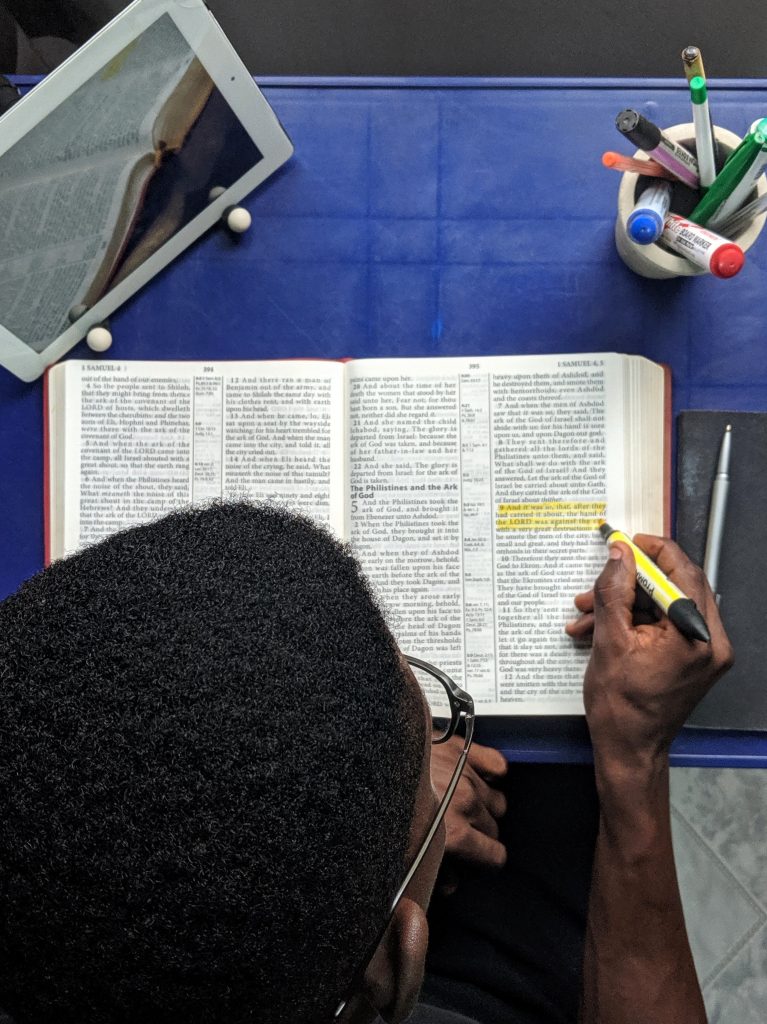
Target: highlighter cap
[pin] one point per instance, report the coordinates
(727, 261)
(698, 89)
(644, 227)
(637, 129)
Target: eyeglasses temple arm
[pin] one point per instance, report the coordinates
(444, 803)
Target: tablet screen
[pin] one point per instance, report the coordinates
(103, 181)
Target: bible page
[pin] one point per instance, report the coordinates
(477, 487)
(143, 438)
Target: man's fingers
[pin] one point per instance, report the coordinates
(614, 593)
(483, 821)
(496, 803)
(665, 552)
(489, 852)
(487, 762)
(478, 848)
(458, 827)
(671, 560)
(642, 603)
(474, 798)
(585, 602)
(581, 628)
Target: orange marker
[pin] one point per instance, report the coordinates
(618, 162)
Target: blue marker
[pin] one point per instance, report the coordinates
(646, 220)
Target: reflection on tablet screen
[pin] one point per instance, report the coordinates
(102, 182)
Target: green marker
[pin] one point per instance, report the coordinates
(759, 126)
(734, 169)
(743, 190)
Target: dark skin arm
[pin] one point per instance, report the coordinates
(642, 682)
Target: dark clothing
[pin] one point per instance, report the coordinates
(506, 947)
(36, 35)
(432, 1015)
(75, 20)
(8, 42)
(8, 96)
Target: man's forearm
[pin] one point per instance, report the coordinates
(638, 968)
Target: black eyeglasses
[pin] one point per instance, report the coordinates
(450, 707)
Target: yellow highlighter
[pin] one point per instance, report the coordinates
(681, 610)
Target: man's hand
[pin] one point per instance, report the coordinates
(471, 821)
(641, 684)
(643, 680)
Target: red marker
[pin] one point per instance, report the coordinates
(702, 247)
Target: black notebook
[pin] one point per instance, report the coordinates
(739, 700)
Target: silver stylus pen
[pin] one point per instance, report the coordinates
(718, 511)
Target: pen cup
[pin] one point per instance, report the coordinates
(656, 260)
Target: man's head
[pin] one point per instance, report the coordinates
(211, 760)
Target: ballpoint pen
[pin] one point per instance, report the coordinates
(692, 62)
(718, 512)
(743, 217)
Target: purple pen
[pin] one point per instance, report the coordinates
(647, 136)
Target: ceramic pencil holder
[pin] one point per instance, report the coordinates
(656, 260)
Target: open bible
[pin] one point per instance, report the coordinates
(471, 489)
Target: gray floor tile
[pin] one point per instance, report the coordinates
(721, 916)
(719, 820)
(728, 808)
(739, 993)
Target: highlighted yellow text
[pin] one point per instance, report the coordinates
(583, 516)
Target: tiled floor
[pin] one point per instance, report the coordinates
(720, 839)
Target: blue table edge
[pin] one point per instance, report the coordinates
(565, 739)
(455, 82)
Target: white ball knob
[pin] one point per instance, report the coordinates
(215, 193)
(77, 311)
(99, 339)
(238, 220)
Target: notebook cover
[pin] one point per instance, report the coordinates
(739, 699)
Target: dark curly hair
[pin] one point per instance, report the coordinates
(208, 763)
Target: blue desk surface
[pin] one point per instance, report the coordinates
(438, 217)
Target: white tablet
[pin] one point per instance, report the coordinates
(114, 164)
